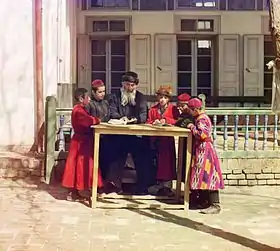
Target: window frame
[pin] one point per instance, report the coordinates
(177, 7)
(89, 30)
(194, 60)
(216, 24)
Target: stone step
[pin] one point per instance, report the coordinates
(21, 165)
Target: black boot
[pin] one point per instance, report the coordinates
(214, 202)
(73, 195)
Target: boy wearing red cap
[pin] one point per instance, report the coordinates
(78, 169)
(206, 174)
(185, 118)
(160, 114)
(99, 106)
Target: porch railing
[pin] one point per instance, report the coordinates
(237, 133)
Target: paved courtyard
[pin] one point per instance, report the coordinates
(35, 217)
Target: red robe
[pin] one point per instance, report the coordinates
(78, 170)
(166, 170)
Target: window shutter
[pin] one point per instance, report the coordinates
(140, 60)
(253, 65)
(84, 61)
(166, 61)
(229, 65)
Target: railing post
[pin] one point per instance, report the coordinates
(50, 136)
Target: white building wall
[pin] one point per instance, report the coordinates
(17, 65)
(16, 73)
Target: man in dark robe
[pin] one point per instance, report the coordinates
(130, 103)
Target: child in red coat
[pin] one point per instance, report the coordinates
(78, 170)
(164, 113)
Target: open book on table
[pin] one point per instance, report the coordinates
(122, 121)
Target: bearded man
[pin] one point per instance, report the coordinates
(130, 103)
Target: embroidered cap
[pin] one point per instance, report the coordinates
(164, 90)
(97, 83)
(195, 103)
(184, 98)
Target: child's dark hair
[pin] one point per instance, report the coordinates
(80, 92)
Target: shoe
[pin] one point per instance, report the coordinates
(165, 191)
(213, 209)
(74, 196)
(111, 188)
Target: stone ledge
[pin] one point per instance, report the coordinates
(17, 165)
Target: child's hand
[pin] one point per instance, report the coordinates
(190, 125)
(156, 122)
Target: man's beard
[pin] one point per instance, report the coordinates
(128, 97)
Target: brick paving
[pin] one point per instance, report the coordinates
(36, 217)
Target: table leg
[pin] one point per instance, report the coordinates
(180, 168)
(95, 170)
(187, 178)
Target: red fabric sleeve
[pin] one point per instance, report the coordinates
(150, 117)
(172, 115)
(83, 118)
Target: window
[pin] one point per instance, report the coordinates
(195, 67)
(197, 3)
(152, 4)
(109, 61)
(106, 26)
(241, 5)
(268, 74)
(109, 3)
(197, 25)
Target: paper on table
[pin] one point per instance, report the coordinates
(121, 121)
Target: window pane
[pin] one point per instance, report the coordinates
(118, 47)
(260, 4)
(116, 78)
(118, 63)
(197, 3)
(98, 75)
(135, 4)
(241, 5)
(223, 5)
(109, 3)
(205, 91)
(117, 25)
(184, 63)
(184, 90)
(204, 63)
(100, 26)
(188, 25)
(268, 48)
(170, 5)
(98, 63)
(184, 80)
(207, 25)
(268, 80)
(204, 47)
(98, 47)
(204, 80)
(152, 4)
(184, 47)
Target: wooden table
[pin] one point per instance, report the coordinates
(144, 130)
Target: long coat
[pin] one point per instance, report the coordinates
(78, 170)
(206, 172)
(165, 146)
